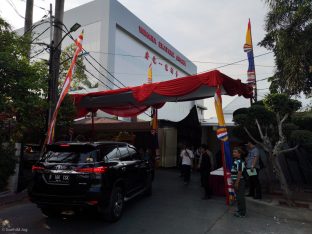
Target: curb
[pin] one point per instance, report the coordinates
(279, 212)
(7, 197)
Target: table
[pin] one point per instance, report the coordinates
(216, 182)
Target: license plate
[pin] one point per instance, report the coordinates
(59, 179)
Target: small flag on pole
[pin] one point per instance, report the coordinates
(66, 86)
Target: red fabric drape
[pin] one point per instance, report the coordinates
(173, 88)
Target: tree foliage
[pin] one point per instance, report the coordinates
(20, 81)
(24, 86)
(289, 35)
(268, 124)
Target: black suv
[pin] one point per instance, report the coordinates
(73, 176)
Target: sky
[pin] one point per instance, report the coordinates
(211, 33)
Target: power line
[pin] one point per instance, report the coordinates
(40, 52)
(105, 69)
(40, 34)
(14, 8)
(193, 61)
(101, 73)
(101, 81)
(71, 37)
(42, 8)
(229, 64)
(36, 25)
(87, 52)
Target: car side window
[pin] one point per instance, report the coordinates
(124, 154)
(113, 154)
(89, 157)
(134, 154)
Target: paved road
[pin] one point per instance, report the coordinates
(173, 208)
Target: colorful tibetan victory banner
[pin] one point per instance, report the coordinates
(66, 86)
(248, 48)
(225, 147)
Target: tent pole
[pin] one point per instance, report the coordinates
(92, 131)
(224, 174)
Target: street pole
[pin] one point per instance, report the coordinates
(28, 21)
(50, 78)
(56, 51)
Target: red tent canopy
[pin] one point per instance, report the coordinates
(131, 101)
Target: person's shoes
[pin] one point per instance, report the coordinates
(258, 198)
(206, 197)
(238, 215)
(249, 195)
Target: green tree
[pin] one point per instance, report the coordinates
(289, 35)
(264, 124)
(22, 86)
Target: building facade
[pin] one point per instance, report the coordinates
(125, 46)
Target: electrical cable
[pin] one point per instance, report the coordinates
(40, 35)
(42, 8)
(229, 64)
(36, 25)
(97, 62)
(14, 8)
(101, 73)
(88, 72)
(40, 52)
(193, 61)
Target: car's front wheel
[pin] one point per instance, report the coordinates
(114, 210)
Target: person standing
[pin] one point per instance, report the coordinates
(253, 168)
(187, 157)
(205, 168)
(239, 181)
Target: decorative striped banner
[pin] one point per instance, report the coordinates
(66, 86)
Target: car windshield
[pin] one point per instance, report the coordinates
(69, 157)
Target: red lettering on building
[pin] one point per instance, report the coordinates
(180, 60)
(165, 48)
(146, 55)
(161, 45)
(154, 59)
(147, 35)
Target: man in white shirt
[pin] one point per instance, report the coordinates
(187, 158)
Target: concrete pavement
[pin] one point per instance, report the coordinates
(173, 208)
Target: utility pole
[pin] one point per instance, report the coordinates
(28, 21)
(50, 78)
(56, 48)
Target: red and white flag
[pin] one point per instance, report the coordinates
(66, 86)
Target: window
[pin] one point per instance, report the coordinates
(70, 157)
(113, 154)
(124, 154)
(133, 152)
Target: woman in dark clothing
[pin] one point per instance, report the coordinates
(205, 167)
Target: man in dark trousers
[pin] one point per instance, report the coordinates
(253, 168)
(205, 168)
